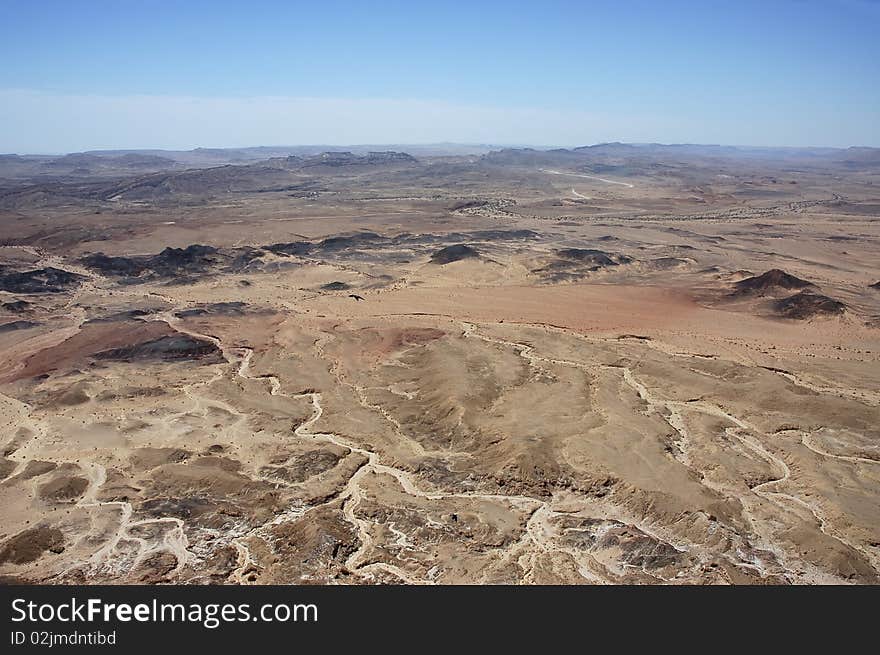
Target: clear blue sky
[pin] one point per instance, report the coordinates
(89, 74)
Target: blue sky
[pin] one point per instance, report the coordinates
(141, 73)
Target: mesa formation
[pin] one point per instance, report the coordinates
(612, 364)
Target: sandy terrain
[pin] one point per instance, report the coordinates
(450, 370)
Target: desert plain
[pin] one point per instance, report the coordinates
(617, 364)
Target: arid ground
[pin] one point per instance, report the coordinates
(614, 364)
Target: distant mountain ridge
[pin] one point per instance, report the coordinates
(623, 154)
(109, 176)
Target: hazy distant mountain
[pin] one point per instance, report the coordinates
(630, 154)
(213, 156)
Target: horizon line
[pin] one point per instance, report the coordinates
(502, 145)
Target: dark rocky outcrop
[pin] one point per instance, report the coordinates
(335, 286)
(231, 308)
(169, 348)
(468, 204)
(773, 280)
(17, 325)
(595, 258)
(454, 253)
(181, 265)
(41, 280)
(572, 264)
(115, 266)
(298, 248)
(175, 264)
(806, 304)
(16, 306)
(118, 317)
(170, 263)
(358, 240)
